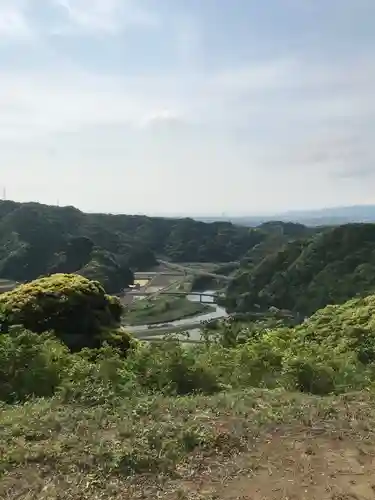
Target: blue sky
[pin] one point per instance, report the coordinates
(188, 106)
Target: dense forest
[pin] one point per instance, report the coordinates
(308, 273)
(38, 240)
(283, 265)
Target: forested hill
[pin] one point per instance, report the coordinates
(307, 274)
(37, 239)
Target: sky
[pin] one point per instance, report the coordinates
(188, 106)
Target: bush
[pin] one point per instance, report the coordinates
(332, 352)
(120, 340)
(76, 309)
(39, 365)
(30, 365)
(310, 376)
(97, 377)
(170, 368)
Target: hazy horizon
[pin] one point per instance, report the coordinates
(166, 106)
(325, 211)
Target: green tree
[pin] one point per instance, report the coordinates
(76, 309)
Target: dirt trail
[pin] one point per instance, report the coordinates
(291, 466)
(270, 446)
(308, 469)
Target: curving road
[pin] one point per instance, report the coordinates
(189, 270)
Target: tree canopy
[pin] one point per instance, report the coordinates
(307, 274)
(37, 240)
(76, 309)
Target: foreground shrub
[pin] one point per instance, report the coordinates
(327, 354)
(119, 339)
(351, 325)
(171, 368)
(97, 377)
(76, 309)
(310, 376)
(30, 365)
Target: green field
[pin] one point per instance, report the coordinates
(162, 310)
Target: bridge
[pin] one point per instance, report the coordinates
(152, 274)
(201, 295)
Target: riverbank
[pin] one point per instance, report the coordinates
(143, 312)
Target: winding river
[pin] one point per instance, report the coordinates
(190, 325)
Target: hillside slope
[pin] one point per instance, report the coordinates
(278, 235)
(208, 422)
(307, 274)
(254, 445)
(37, 240)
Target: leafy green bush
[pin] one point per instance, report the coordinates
(30, 365)
(119, 339)
(39, 365)
(310, 376)
(347, 328)
(97, 377)
(257, 362)
(332, 352)
(172, 369)
(76, 309)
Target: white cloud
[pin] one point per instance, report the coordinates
(13, 22)
(103, 16)
(63, 97)
(264, 96)
(43, 103)
(285, 122)
(258, 76)
(163, 118)
(22, 20)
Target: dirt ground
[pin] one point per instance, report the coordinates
(260, 446)
(299, 467)
(282, 466)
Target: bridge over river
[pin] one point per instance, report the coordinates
(204, 297)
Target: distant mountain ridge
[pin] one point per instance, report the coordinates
(38, 240)
(332, 216)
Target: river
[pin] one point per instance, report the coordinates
(191, 324)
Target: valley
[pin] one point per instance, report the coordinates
(150, 358)
(162, 301)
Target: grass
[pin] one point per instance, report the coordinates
(118, 426)
(189, 448)
(141, 282)
(161, 310)
(163, 281)
(183, 285)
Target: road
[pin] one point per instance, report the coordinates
(164, 292)
(189, 270)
